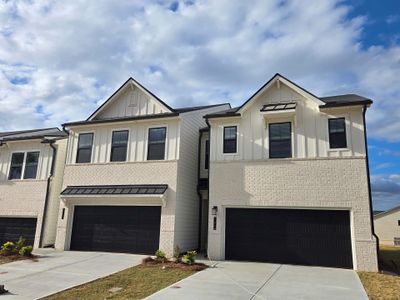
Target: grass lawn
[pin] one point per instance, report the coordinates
(381, 286)
(133, 283)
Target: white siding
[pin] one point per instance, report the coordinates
(131, 101)
(387, 227)
(137, 143)
(309, 129)
(187, 203)
(203, 170)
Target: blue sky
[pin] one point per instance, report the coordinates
(60, 59)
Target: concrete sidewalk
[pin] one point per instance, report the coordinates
(242, 280)
(56, 271)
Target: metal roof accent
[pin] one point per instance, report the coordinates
(278, 106)
(135, 189)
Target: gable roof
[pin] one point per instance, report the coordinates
(32, 134)
(388, 212)
(324, 102)
(175, 113)
(126, 83)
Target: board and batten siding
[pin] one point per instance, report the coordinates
(45, 157)
(132, 102)
(137, 142)
(310, 137)
(187, 202)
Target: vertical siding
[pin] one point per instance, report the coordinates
(50, 229)
(309, 129)
(187, 202)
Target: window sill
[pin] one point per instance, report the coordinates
(338, 149)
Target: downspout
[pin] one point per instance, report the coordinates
(209, 172)
(199, 193)
(369, 184)
(46, 201)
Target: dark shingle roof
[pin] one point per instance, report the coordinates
(31, 134)
(135, 189)
(344, 100)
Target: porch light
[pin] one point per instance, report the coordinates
(214, 210)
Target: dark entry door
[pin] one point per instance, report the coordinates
(289, 236)
(12, 228)
(129, 229)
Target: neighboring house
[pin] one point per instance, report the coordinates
(387, 226)
(289, 180)
(130, 179)
(31, 168)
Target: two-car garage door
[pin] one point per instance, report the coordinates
(129, 229)
(289, 236)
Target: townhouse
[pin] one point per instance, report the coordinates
(387, 226)
(31, 169)
(282, 178)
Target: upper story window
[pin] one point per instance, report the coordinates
(31, 165)
(207, 154)
(230, 139)
(156, 143)
(119, 145)
(280, 140)
(19, 160)
(337, 133)
(85, 143)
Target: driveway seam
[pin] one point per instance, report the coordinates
(266, 282)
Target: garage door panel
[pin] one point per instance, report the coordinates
(131, 229)
(12, 228)
(307, 237)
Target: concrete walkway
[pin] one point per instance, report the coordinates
(261, 281)
(56, 271)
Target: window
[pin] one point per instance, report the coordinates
(31, 165)
(156, 147)
(119, 145)
(207, 155)
(337, 133)
(24, 166)
(280, 140)
(17, 161)
(398, 222)
(85, 143)
(230, 139)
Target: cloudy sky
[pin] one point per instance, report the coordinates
(60, 59)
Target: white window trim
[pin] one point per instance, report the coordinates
(347, 122)
(77, 147)
(128, 145)
(147, 142)
(292, 135)
(237, 139)
(23, 165)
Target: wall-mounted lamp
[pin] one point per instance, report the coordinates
(214, 210)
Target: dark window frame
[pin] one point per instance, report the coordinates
(115, 146)
(207, 154)
(21, 166)
(36, 165)
(225, 149)
(398, 222)
(84, 148)
(152, 143)
(343, 133)
(269, 141)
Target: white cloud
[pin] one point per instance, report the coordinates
(386, 191)
(68, 56)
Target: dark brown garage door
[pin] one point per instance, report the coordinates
(129, 229)
(12, 228)
(289, 236)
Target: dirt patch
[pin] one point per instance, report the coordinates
(150, 262)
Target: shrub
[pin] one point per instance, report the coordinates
(8, 248)
(160, 256)
(20, 243)
(190, 257)
(177, 253)
(26, 251)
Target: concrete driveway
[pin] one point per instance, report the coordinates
(57, 271)
(261, 281)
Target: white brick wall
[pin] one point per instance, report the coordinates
(164, 172)
(295, 183)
